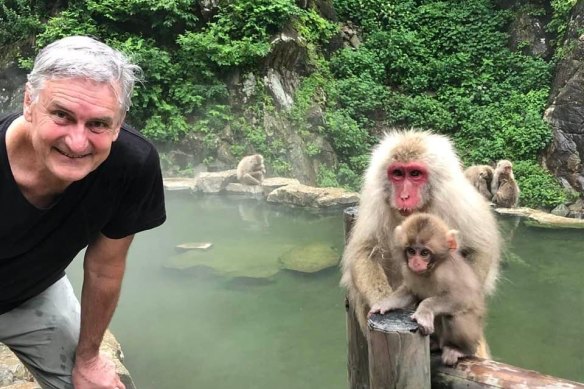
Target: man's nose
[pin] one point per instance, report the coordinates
(76, 139)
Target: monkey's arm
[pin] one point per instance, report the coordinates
(250, 180)
(369, 278)
(434, 306)
(401, 298)
(442, 305)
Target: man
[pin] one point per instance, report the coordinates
(71, 176)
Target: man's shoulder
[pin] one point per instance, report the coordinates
(130, 135)
(6, 119)
(132, 147)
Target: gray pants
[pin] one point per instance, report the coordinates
(43, 333)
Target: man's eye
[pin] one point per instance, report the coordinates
(98, 127)
(61, 115)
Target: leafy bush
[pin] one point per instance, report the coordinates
(445, 66)
(539, 189)
(19, 21)
(239, 34)
(346, 136)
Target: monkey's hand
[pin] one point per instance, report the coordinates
(382, 306)
(425, 320)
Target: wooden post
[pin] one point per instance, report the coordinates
(357, 358)
(399, 357)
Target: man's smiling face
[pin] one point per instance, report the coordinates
(73, 123)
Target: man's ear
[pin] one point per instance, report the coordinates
(451, 238)
(27, 104)
(117, 131)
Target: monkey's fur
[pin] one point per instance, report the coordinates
(451, 299)
(481, 177)
(504, 187)
(251, 170)
(371, 265)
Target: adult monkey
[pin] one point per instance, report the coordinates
(414, 171)
(251, 170)
(504, 187)
(481, 176)
(72, 176)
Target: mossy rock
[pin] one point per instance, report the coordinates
(310, 258)
(232, 259)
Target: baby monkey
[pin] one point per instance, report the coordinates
(448, 291)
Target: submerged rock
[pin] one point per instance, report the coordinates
(194, 246)
(310, 258)
(232, 259)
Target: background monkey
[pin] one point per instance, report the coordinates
(251, 170)
(504, 187)
(436, 275)
(414, 171)
(481, 177)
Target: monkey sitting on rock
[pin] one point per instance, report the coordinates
(481, 177)
(450, 296)
(251, 170)
(504, 187)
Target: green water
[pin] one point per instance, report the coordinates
(191, 328)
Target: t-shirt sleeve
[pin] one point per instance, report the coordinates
(142, 205)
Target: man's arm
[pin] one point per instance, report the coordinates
(104, 265)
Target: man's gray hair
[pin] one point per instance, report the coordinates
(85, 57)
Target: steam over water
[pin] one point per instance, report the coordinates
(183, 326)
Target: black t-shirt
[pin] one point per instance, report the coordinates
(123, 196)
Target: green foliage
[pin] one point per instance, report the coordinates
(561, 13)
(68, 22)
(420, 111)
(370, 14)
(362, 62)
(510, 129)
(239, 34)
(445, 66)
(19, 20)
(314, 28)
(344, 177)
(326, 177)
(160, 14)
(346, 136)
(539, 189)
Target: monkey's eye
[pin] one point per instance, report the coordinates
(410, 251)
(415, 173)
(397, 173)
(425, 253)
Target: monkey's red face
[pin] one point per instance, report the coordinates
(419, 259)
(407, 180)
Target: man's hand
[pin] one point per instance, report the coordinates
(96, 373)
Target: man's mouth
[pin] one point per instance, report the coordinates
(75, 156)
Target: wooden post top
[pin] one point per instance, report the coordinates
(394, 321)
